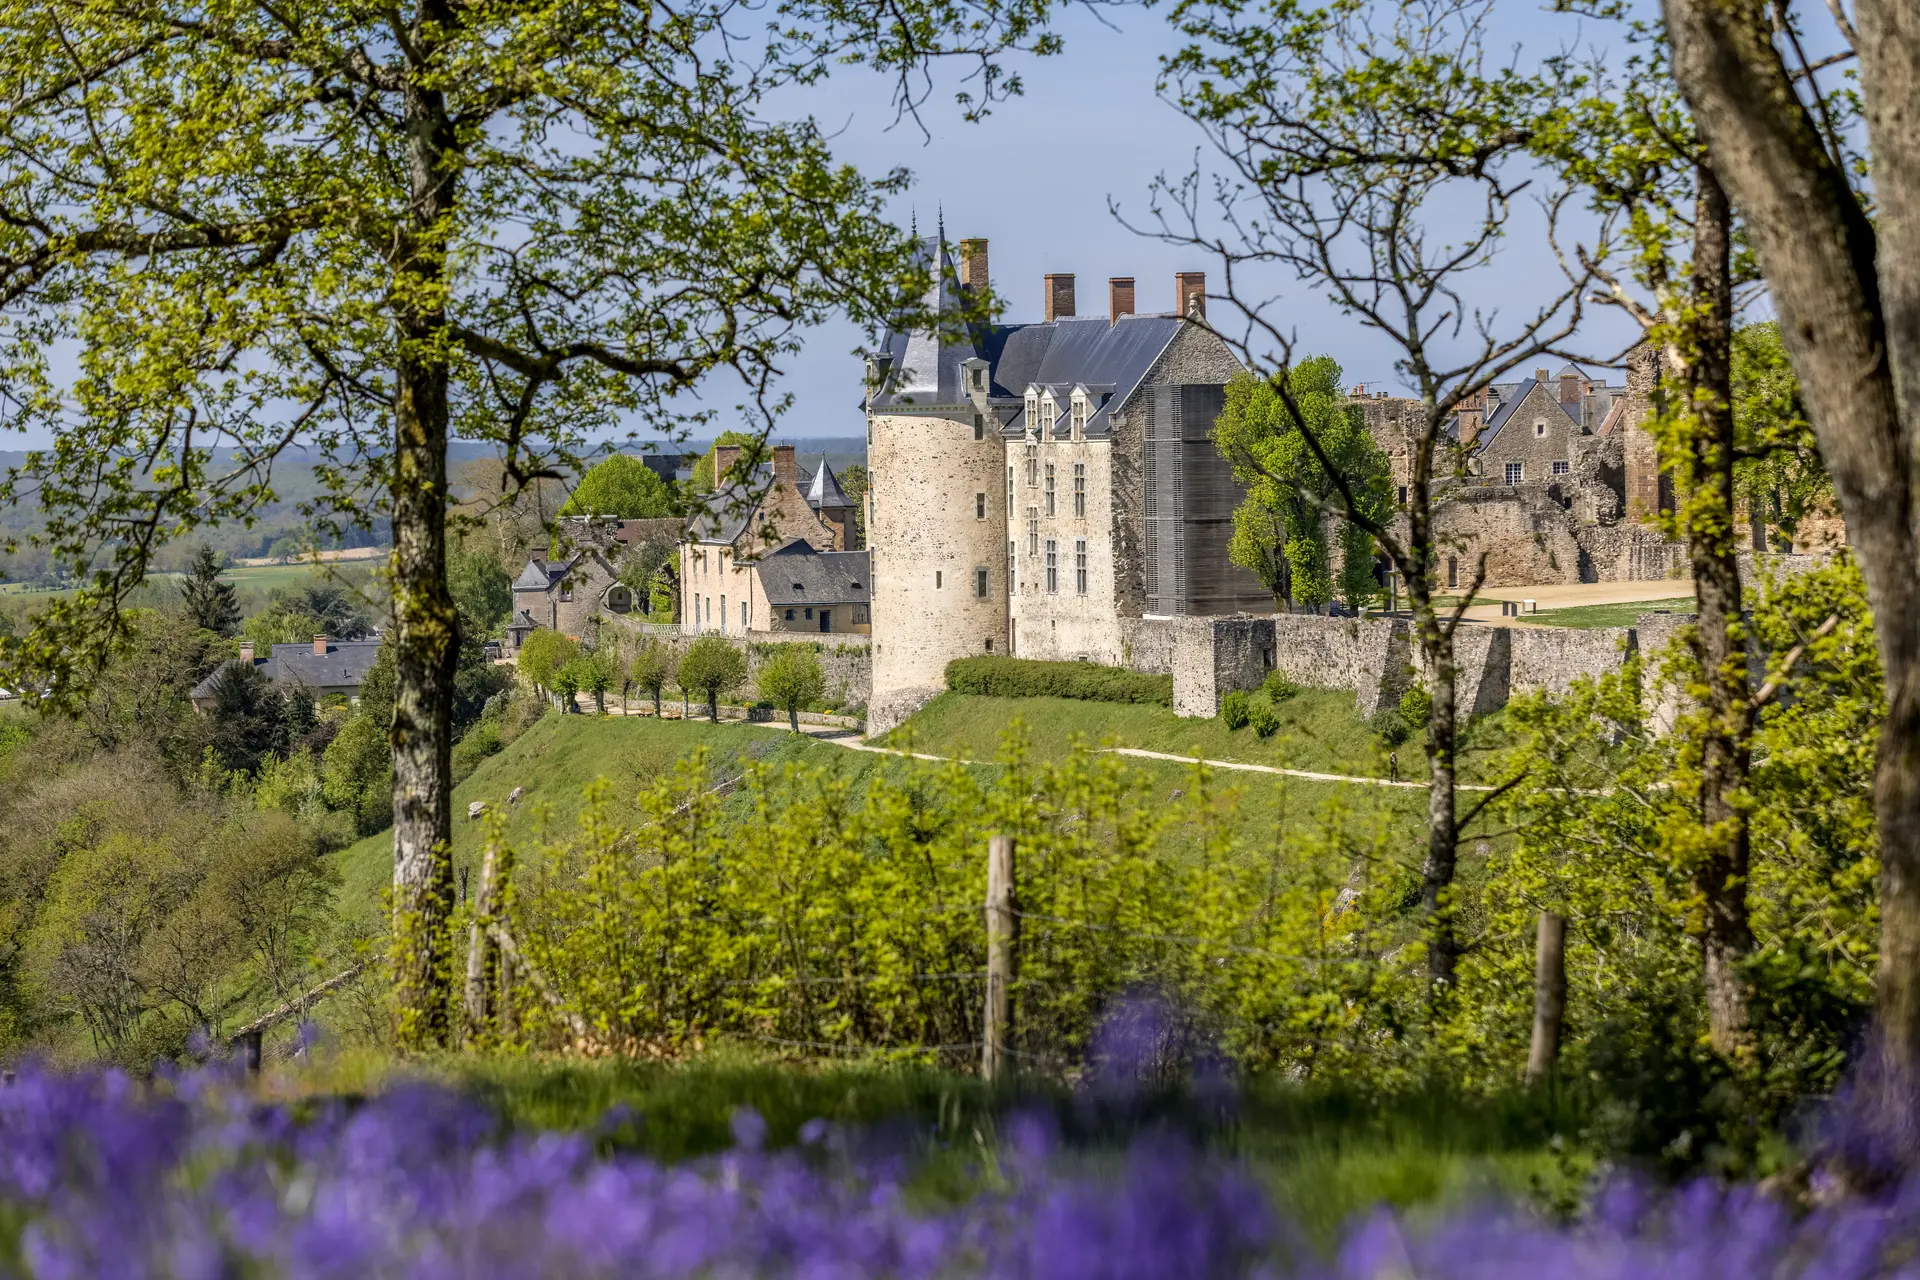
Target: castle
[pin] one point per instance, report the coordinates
(1041, 489)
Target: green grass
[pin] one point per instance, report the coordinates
(1325, 1155)
(261, 577)
(1592, 616)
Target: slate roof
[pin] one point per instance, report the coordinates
(728, 510)
(797, 574)
(824, 490)
(345, 663)
(1508, 407)
(1072, 351)
(539, 575)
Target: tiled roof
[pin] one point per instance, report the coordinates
(824, 490)
(345, 664)
(797, 574)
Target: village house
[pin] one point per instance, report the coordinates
(774, 550)
(569, 593)
(322, 667)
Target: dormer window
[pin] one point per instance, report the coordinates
(1033, 416)
(1079, 415)
(1049, 414)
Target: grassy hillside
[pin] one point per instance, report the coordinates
(556, 759)
(1319, 731)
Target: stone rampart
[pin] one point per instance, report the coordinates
(1552, 658)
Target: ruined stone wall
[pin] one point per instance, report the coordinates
(1214, 656)
(1551, 659)
(1146, 644)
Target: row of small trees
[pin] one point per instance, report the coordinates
(710, 667)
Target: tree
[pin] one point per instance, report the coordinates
(712, 667)
(854, 482)
(623, 487)
(567, 680)
(1779, 471)
(790, 677)
(248, 717)
(1845, 286)
(598, 670)
(544, 653)
(654, 667)
(212, 604)
(1280, 529)
(370, 231)
(481, 589)
(1334, 160)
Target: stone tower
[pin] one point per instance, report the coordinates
(936, 513)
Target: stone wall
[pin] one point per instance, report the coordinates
(1146, 644)
(1214, 656)
(1371, 656)
(845, 660)
(1551, 659)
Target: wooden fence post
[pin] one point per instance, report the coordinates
(1549, 995)
(1003, 931)
(482, 995)
(250, 1044)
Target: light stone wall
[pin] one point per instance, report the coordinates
(1063, 624)
(926, 544)
(710, 574)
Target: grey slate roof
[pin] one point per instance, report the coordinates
(728, 510)
(1507, 408)
(538, 575)
(1065, 352)
(824, 490)
(797, 574)
(345, 663)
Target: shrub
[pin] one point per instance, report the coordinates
(1266, 722)
(713, 668)
(1025, 678)
(1390, 726)
(1416, 707)
(1279, 687)
(1236, 708)
(790, 678)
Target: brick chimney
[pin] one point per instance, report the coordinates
(246, 652)
(785, 469)
(1569, 388)
(1059, 296)
(973, 266)
(724, 456)
(1190, 293)
(320, 645)
(1119, 297)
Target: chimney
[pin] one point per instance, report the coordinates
(246, 652)
(1569, 388)
(973, 266)
(724, 456)
(320, 645)
(785, 470)
(1539, 375)
(1059, 296)
(1119, 297)
(1190, 293)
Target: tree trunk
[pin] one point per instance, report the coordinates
(793, 716)
(1443, 836)
(426, 623)
(713, 705)
(657, 713)
(1705, 471)
(1823, 268)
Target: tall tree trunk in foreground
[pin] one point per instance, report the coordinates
(1706, 476)
(426, 624)
(1827, 270)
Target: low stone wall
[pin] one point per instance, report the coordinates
(1371, 656)
(845, 660)
(1146, 645)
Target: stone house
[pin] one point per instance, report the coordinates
(1037, 488)
(569, 593)
(323, 667)
(760, 514)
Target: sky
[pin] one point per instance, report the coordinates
(1036, 178)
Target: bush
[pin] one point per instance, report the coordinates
(1266, 722)
(714, 668)
(1279, 687)
(1025, 678)
(1416, 707)
(1236, 708)
(1390, 726)
(790, 679)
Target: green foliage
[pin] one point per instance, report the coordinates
(623, 487)
(1780, 473)
(1026, 678)
(568, 679)
(1278, 687)
(714, 668)
(544, 653)
(1280, 529)
(790, 677)
(248, 717)
(1236, 709)
(750, 444)
(357, 772)
(482, 589)
(211, 604)
(1416, 706)
(1390, 726)
(1264, 720)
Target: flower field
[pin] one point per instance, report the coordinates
(195, 1176)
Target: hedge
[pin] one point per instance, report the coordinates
(1026, 678)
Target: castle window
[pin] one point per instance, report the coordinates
(979, 506)
(1033, 465)
(1012, 583)
(1049, 489)
(1009, 490)
(862, 614)
(979, 422)
(1053, 567)
(1561, 468)
(1033, 531)
(1033, 417)
(1515, 472)
(1403, 493)
(980, 582)
(789, 615)
(1079, 566)
(937, 583)
(1049, 414)
(1080, 488)
(1540, 428)
(809, 615)
(1079, 417)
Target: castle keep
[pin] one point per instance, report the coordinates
(1037, 488)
